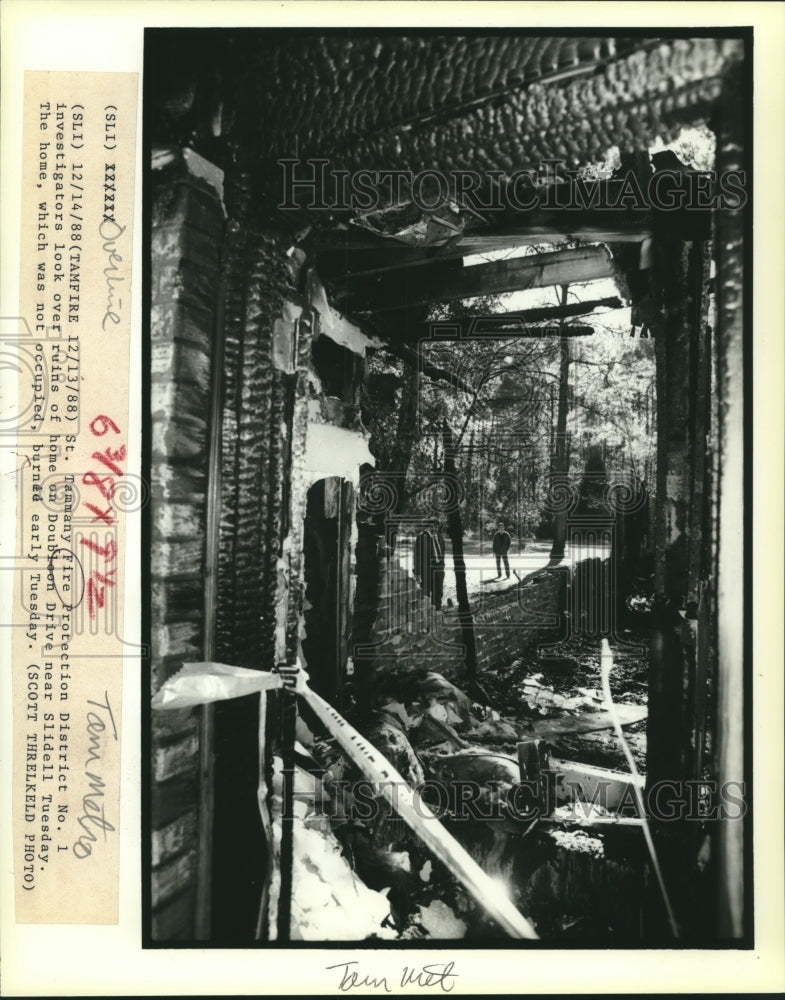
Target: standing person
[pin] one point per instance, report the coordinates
(501, 546)
(429, 563)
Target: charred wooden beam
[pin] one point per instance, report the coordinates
(531, 318)
(355, 251)
(537, 322)
(605, 211)
(446, 281)
(506, 325)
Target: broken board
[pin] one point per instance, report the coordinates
(585, 782)
(587, 722)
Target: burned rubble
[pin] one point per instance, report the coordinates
(555, 851)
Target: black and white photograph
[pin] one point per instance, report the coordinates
(447, 362)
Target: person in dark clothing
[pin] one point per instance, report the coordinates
(429, 563)
(501, 546)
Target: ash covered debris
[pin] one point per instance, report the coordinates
(468, 771)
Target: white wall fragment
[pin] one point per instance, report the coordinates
(334, 451)
(335, 326)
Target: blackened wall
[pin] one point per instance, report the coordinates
(255, 476)
(187, 232)
(214, 280)
(451, 102)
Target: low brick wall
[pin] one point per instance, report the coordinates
(408, 634)
(510, 623)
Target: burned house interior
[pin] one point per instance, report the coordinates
(447, 503)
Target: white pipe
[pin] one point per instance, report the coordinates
(606, 665)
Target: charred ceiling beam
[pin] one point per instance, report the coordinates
(626, 208)
(505, 325)
(541, 321)
(446, 281)
(537, 322)
(355, 252)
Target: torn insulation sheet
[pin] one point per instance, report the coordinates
(202, 683)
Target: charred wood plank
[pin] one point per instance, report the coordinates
(446, 281)
(404, 347)
(535, 319)
(587, 722)
(356, 251)
(584, 210)
(538, 322)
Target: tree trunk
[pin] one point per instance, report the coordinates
(560, 466)
(471, 503)
(448, 280)
(401, 451)
(465, 618)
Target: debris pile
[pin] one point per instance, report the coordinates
(494, 784)
(348, 883)
(329, 900)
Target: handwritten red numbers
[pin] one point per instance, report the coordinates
(101, 424)
(98, 581)
(109, 461)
